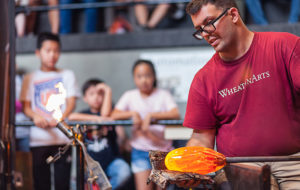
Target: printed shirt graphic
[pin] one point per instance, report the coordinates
(102, 148)
(41, 86)
(253, 102)
(42, 91)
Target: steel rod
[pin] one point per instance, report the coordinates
(262, 159)
(79, 168)
(109, 123)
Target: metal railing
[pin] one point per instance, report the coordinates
(105, 123)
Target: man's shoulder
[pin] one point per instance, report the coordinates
(279, 41)
(209, 67)
(277, 36)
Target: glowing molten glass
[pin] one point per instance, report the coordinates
(195, 159)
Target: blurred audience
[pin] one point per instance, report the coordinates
(25, 24)
(144, 104)
(257, 13)
(103, 143)
(20, 19)
(120, 26)
(39, 93)
(91, 18)
(150, 19)
(53, 17)
(295, 11)
(147, 16)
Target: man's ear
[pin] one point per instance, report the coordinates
(234, 13)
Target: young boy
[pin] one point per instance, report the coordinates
(102, 144)
(45, 138)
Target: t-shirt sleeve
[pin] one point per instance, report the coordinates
(71, 84)
(199, 114)
(295, 66)
(123, 102)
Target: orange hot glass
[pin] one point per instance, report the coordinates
(195, 159)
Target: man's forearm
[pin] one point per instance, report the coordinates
(204, 138)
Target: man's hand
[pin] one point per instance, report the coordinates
(204, 138)
(187, 183)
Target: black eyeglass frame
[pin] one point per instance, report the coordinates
(201, 30)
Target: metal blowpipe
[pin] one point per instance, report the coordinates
(203, 160)
(262, 159)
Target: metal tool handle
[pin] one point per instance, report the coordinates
(63, 127)
(61, 151)
(95, 169)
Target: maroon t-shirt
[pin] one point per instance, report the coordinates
(253, 102)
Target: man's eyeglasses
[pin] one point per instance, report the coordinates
(209, 27)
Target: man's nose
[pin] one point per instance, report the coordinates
(205, 34)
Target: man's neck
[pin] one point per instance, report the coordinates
(240, 45)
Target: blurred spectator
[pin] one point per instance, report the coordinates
(20, 20)
(53, 16)
(143, 105)
(147, 20)
(91, 18)
(117, 24)
(120, 26)
(257, 13)
(295, 11)
(116, 18)
(39, 90)
(103, 143)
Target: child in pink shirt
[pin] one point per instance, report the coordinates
(143, 105)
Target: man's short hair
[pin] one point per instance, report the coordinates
(89, 83)
(47, 36)
(195, 5)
